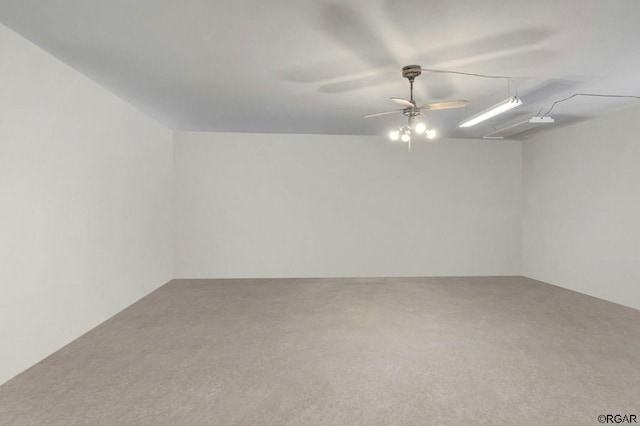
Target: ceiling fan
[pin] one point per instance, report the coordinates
(412, 111)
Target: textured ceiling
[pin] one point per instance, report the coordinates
(316, 66)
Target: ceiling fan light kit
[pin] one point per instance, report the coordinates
(491, 112)
(415, 127)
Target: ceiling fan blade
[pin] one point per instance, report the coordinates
(445, 105)
(403, 102)
(375, 114)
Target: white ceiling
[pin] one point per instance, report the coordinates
(315, 66)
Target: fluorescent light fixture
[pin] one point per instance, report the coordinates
(519, 127)
(541, 120)
(498, 108)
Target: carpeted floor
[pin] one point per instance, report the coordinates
(423, 351)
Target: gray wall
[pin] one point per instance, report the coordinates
(271, 205)
(581, 218)
(85, 215)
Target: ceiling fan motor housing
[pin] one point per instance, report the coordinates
(411, 111)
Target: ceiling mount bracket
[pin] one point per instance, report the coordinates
(410, 72)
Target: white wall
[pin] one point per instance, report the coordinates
(270, 205)
(581, 220)
(85, 213)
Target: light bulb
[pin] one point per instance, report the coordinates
(420, 127)
(431, 133)
(405, 137)
(394, 135)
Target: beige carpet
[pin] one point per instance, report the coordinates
(417, 351)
